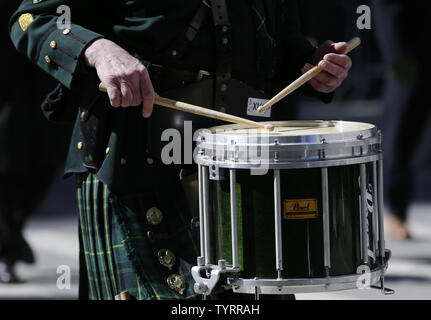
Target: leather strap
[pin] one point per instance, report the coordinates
(220, 14)
(190, 33)
(223, 55)
(196, 23)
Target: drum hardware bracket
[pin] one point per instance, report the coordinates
(377, 148)
(384, 290)
(216, 173)
(357, 151)
(195, 223)
(205, 286)
(257, 292)
(327, 272)
(322, 154)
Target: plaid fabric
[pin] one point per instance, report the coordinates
(117, 256)
(115, 250)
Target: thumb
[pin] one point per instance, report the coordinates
(307, 67)
(339, 47)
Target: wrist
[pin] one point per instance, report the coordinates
(93, 51)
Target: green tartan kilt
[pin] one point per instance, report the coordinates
(120, 246)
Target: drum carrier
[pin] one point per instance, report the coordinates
(339, 165)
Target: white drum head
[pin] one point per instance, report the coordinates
(295, 128)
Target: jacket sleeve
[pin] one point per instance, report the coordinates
(36, 33)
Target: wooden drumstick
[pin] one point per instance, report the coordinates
(186, 107)
(310, 74)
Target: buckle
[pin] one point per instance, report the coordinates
(202, 74)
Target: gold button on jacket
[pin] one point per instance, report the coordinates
(154, 216)
(177, 283)
(166, 258)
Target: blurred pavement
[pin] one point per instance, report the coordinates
(52, 234)
(409, 272)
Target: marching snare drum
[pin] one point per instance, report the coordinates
(294, 210)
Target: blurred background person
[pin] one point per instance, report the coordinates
(31, 148)
(399, 28)
(387, 87)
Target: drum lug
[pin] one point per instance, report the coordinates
(216, 173)
(205, 284)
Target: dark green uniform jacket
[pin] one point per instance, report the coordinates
(266, 44)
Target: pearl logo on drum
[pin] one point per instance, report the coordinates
(300, 209)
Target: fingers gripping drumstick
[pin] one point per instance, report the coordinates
(310, 74)
(186, 107)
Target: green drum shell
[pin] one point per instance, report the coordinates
(302, 237)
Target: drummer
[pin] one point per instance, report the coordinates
(135, 235)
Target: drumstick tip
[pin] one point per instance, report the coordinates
(261, 109)
(269, 127)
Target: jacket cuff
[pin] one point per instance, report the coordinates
(61, 52)
(57, 51)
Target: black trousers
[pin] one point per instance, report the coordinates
(19, 196)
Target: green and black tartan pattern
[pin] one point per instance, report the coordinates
(115, 248)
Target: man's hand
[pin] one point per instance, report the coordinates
(125, 77)
(335, 66)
